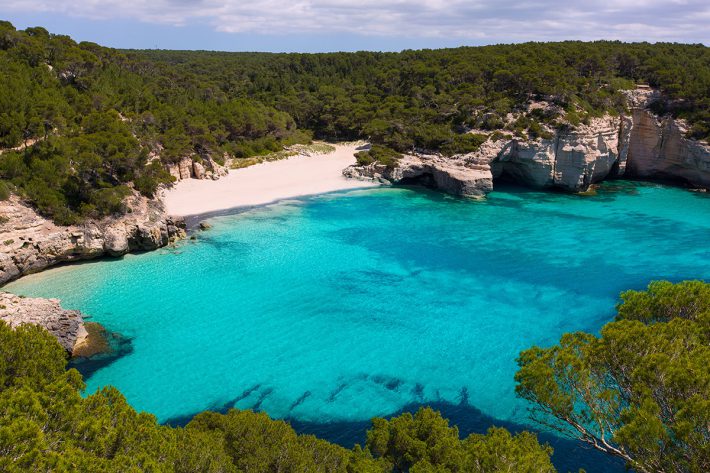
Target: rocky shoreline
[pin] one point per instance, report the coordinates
(639, 146)
(66, 325)
(31, 243)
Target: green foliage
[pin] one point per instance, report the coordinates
(4, 190)
(640, 391)
(256, 443)
(379, 154)
(425, 442)
(46, 425)
(29, 356)
(421, 98)
(664, 301)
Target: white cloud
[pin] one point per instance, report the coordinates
(488, 20)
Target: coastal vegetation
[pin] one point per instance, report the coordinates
(46, 425)
(82, 125)
(640, 390)
(379, 154)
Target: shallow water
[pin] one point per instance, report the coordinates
(334, 309)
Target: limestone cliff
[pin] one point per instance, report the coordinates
(571, 161)
(641, 145)
(190, 167)
(67, 326)
(31, 243)
(452, 176)
(658, 149)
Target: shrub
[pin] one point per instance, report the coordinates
(381, 154)
(4, 190)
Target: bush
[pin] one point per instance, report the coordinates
(462, 144)
(4, 190)
(381, 154)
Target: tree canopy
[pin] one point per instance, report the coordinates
(640, 390)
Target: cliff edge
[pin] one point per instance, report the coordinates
(637, 145)
(31, 243)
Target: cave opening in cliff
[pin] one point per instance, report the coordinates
(424, 180)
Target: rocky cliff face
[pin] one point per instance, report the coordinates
(188, 168)
(31, 243)
(638, 146)
(66, 325)
(451, 176)
(571, 161)
(658, 149)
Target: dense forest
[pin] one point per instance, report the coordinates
(639, 391)
(89, 123)
(430, 98)
(99, 122)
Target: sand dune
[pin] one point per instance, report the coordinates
(264, 183)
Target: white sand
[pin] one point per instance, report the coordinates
(265, 183)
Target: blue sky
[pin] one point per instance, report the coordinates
(347, 25)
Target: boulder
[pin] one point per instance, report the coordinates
(198, 170)
(67, 326)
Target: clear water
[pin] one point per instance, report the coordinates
(334, 309)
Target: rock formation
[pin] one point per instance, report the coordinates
(31, 243)
(66, 325)
(192, 167)
(658, 149)
(640, 146)
(571, 161)
(453, 177)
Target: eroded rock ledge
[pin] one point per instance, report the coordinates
(31, 243)
(67, 326)
(452, 176)
(641, 145)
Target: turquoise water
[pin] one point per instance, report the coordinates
(341, 307)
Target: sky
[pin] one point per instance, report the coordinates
(350, 25)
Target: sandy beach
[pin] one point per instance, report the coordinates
(266, 182)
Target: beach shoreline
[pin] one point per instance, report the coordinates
(265, 183)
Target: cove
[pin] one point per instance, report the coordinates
(333, 309)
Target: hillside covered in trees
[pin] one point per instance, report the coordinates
(80, 124)
(430, 98)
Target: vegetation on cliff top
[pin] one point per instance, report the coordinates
(90, 122)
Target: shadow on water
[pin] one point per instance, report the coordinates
(570, 455)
